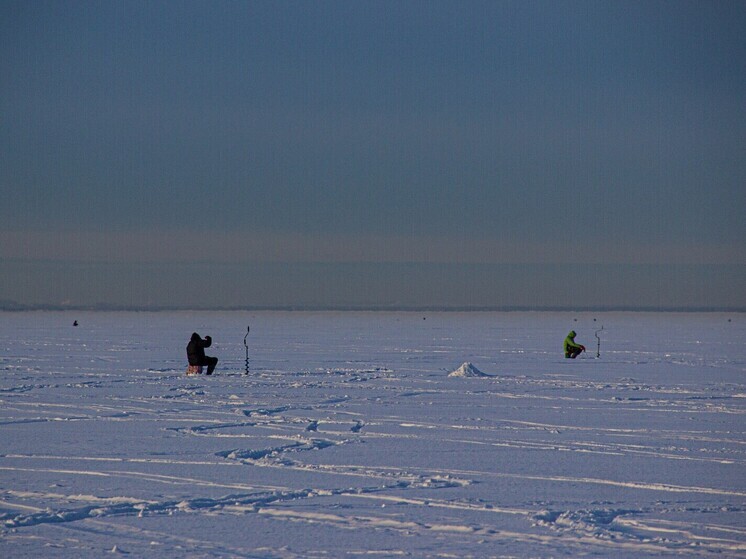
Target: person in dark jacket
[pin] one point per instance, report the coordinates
(196, 352)
(572, 349)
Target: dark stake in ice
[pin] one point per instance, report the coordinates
(598, 345)
(246, 364)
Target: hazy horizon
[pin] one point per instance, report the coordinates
(366, 286)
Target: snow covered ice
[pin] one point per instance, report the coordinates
(349, 438)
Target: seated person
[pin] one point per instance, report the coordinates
(196, 352)
(572, 349)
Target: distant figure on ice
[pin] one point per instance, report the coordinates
(196, 353)
(572, 349)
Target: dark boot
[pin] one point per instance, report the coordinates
(212, 362)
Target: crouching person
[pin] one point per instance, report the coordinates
(572, 349)
(196, 353)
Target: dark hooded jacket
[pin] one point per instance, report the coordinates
(196, 349)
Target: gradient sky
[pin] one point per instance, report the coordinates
(533, 154)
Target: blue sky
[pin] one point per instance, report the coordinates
(282, 151)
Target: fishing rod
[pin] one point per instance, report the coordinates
(246, 363)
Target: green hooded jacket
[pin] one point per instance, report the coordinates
(570, 342)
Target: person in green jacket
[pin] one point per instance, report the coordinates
(572, 349)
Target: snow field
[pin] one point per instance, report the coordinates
(349, 438)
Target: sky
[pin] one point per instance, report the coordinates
(383, 154)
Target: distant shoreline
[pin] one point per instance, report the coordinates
(17, 307)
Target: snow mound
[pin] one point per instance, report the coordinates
(467, 370)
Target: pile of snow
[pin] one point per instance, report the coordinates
(467, 370)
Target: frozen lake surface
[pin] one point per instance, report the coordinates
(349, 439)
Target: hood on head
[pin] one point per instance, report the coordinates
(195, 336)
(571, 334)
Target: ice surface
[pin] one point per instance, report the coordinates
(350, 439)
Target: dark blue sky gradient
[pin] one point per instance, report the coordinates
(558, 124)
